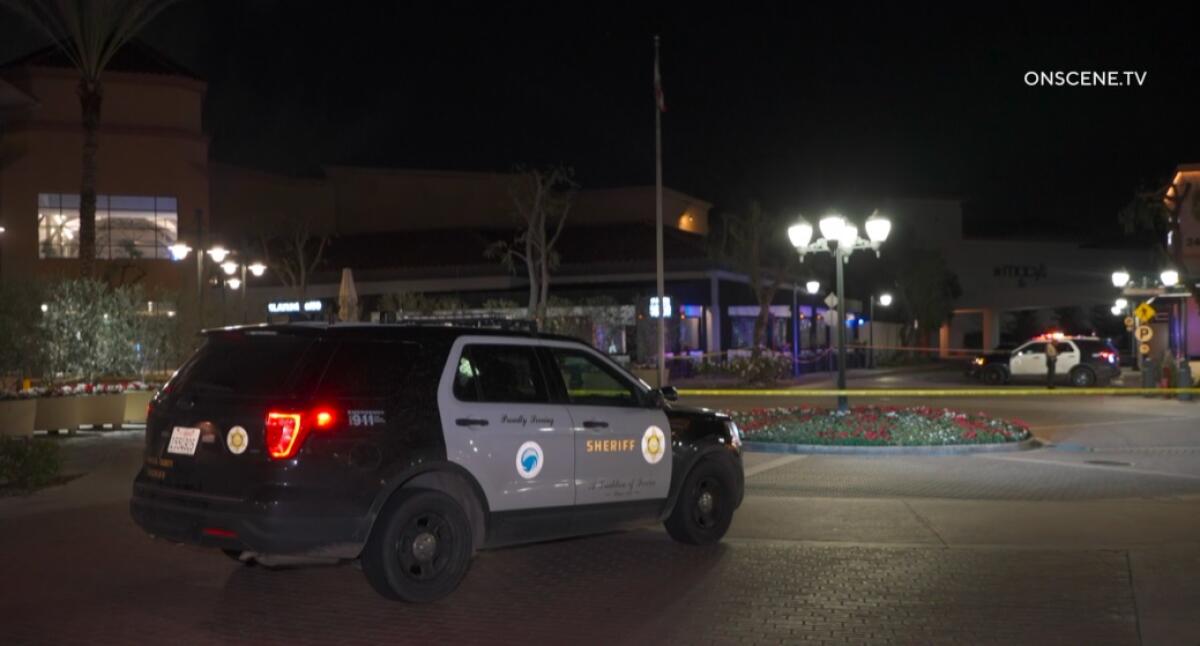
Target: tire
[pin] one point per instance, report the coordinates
(1083, 377)
(704, 508)
(420, 548)
(994, 376)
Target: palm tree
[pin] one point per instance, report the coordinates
(89, 33)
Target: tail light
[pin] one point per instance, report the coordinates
(1110, 357)
(285, 431)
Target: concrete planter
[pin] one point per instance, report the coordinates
(136, 402)
(57, 413)
(16, 417)
(99, 410)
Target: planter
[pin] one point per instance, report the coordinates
(650, 376)
(57, 413)
(99, 410)
(136, 402)
(16, 417)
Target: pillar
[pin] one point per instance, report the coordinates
(991, 328)
(944, 341)
(714, 314)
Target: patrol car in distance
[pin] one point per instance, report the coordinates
(1082, 361)
(408, 448)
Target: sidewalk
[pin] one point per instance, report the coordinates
(823, 378)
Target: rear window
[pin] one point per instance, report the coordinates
(1092, 347)
(368, 369)
(251, 365)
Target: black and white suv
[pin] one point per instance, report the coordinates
(1082, 361)
(409, 448)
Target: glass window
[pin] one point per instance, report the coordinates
(246, 365)
(590, 382)
(1034, 348)
(368, 369)
(1064, 348)
(127, 226)
(499, 373)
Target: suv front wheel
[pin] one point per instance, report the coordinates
(420, 547)
(704, 509)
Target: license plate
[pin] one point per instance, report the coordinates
(183, 440)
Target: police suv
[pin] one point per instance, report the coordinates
(408, 448)
(1081, 360)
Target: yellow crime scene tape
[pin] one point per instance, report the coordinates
(935, 392)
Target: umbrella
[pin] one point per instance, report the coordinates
(347, 297)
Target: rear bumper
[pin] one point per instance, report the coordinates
(263, 524)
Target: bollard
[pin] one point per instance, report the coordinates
(1149, 373)
(1184, 380)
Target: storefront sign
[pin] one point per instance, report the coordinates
(654, 310)
(293, 307)
(1023, 273)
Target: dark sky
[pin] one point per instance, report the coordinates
(788, 103)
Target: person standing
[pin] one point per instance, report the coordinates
(1051, 360)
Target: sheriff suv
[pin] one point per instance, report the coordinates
(408, 448)
(1082, 361)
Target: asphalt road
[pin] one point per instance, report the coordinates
(1093, 539)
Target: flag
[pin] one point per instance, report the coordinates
(659, 100)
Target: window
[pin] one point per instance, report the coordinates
(499, 373)
(126, 226)
(368, 369)
(590, 382)
(1064, 348)
(1034, 348)
(245, 365)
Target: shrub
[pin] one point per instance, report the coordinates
(767, 368)
(27, 463)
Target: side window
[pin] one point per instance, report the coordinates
(368, 369)
(499, 373)
(1064, 348)
(1034, 348)
(590, 382)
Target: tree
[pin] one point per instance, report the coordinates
(928, 290)
(90, 330)
(1159, 211)
(542, 199)
(293, 251)
(89, 33)
(20, 345)
(753, 243)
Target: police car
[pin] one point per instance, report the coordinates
(408, 448)
(1082, 361)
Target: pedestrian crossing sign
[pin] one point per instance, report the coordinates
(1144, 312)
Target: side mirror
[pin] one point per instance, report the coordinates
(669, 393)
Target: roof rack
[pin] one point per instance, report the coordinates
(491, 322)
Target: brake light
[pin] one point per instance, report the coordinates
(285, 431)
(1110, 357)
(283, 434)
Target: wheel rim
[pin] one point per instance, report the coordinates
(707, 496)
(425, 546)
(1081, 379)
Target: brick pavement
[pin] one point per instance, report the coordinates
(89, 576)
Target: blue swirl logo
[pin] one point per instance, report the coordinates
(529, 460)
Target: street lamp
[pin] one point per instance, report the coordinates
(234, 283)
(229, 267)
(218, 254)
(812, 286)
(885, 299)
(1169, 277)
(179, 251)
(1120, 278)
(839, 238)
(257, 268)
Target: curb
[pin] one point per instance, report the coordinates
(949, 449)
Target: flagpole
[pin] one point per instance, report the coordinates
(658, 223)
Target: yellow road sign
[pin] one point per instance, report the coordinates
(1144, 312)
(1144, 333)
(1144, 348)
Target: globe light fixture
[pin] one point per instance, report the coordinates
(1121, 304)
(1169, 277)
(847, 237)
(1120, 278)
(229, 267)
(812, 286)
(800, 233)
(878, 227)
(1117, 310)
(218, 254)
(234, 283)
(179, 251)
(831, 227)
(257, 268)
(885, 299)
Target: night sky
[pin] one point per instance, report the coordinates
(792, 105)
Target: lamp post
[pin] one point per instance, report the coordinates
(840, 239)
(885, 300)
(1145, 285)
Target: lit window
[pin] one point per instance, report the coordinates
(126, 226)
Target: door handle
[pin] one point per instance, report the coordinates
(595, 424)
(467, 421)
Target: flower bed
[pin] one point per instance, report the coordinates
(876, 426)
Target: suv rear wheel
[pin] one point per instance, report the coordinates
(704, 509)
(994, 376)
(1083, 377)
(420, 547)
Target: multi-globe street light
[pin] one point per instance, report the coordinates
(221, 256)
(839, 238)
(885, 300)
